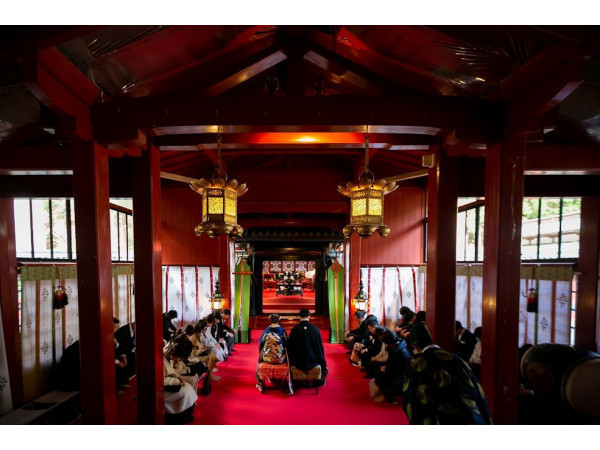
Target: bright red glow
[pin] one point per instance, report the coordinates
(306, 138)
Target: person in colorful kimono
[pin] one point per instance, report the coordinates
(440, 387)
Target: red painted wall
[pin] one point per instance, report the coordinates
(404, 211)
(181, 212)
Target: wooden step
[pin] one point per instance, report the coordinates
(288, 321)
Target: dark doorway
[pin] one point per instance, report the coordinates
(288, 247)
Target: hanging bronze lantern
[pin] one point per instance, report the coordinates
(219, 202)
(366, 202)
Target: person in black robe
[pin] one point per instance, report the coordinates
(372, 347)
(224, 332)
(169, 329)
(440, 387)
(305, 347)
(390, 376)
(464, 341)
(125, 339)
(361, 333)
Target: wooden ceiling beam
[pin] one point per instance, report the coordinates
(391, 69)
(245, 74)
(59, 85)
(525, 114)
(546, 159)
(338, 73)
(252, 151)
(63, 88)
(233, 130)
(49, 158)
(292, 138)
(41, 36)
(547, 60)
(202, 72)
(410, 114)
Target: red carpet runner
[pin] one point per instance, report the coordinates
(343, 401)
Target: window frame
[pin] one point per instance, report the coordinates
(123, 212)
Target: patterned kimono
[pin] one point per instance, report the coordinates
(440, 388)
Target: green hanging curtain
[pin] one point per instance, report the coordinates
(336, 283)
(241, 302)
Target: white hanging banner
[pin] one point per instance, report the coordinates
(376, 292)
(187, 290)
(392, 297)
(36, 337)
(164, 287)
(562, 315)
(462, 292)
(421, 277)
(205, 289)
(408, 288)
(476, 302)
(173, 293)
(189, 315)
(522, 313)
(5, 395)
(71, 313)
(122, 298)
(544, 318)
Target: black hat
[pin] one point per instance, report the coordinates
(304, 313)
(419, 335)
(360, 314)
(115, 320)
(457, 325)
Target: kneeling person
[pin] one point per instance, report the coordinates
(306, 353)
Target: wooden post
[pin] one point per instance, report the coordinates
(586, 315)
(9, 299)
(442, 196)
(148, 289)
(94, 280)
(354, 276)
(501, 279)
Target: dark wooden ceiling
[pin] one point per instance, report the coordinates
(293, 103)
